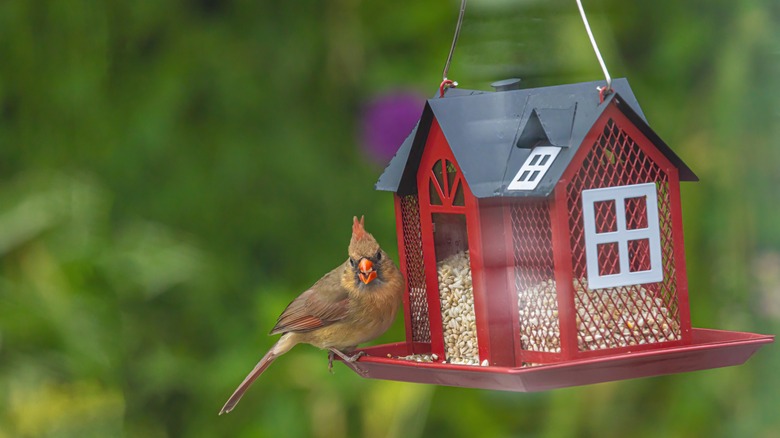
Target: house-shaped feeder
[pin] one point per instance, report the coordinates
(540, 235)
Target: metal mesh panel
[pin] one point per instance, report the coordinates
(626, 315)
(415, 269)
(536, 296)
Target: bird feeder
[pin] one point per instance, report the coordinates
(540, 235)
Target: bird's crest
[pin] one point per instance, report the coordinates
(362, 243)
(358, 232)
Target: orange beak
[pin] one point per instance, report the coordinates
(367, 273)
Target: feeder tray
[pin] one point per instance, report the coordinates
(709, 349)
(543, 226)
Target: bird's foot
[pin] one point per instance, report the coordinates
(346, 357)
(348, 360)
(355, 357)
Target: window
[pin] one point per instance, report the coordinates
(445, 185)
(534, 168)
(622, 237)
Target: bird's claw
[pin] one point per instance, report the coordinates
(355, 357)
(348, 360)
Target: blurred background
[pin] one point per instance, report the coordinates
(173, 173)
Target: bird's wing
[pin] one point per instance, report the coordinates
(323, 304)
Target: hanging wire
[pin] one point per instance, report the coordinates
(447, 83)
(603, 91)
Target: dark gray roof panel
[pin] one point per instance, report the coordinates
(483, 128)
(555, 123)
(391, 178)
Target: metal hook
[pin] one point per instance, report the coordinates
(446, 83)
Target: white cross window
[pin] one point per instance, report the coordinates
(534, 168)
(613, 240)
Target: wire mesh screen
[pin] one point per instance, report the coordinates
(633, 314)
(415, 269)
(536, 295)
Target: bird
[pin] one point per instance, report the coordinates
(354, 303)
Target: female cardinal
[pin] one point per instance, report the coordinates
(352, 304)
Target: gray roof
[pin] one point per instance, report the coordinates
(492, 133)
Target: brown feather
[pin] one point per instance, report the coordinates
(323, 304)
(250, 378)
(283, 345)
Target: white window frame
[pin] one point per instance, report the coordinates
(529, 175)
(622, 236)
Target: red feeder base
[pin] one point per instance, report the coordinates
(709, 349)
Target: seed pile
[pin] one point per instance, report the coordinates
(457, 309)
(539, 328)
(606, 318)
(619, 317)
(426, 358)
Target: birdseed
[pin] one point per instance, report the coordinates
(606, 318)
(456, 295)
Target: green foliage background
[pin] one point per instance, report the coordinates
(173, 173)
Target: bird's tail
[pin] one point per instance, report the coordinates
(281, 347)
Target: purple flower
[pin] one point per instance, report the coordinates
(386, 122)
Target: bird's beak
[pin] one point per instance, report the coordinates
(367, 273)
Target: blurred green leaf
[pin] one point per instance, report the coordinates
(174, 173)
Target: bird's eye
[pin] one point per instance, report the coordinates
(352, 262)
(379, 255)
